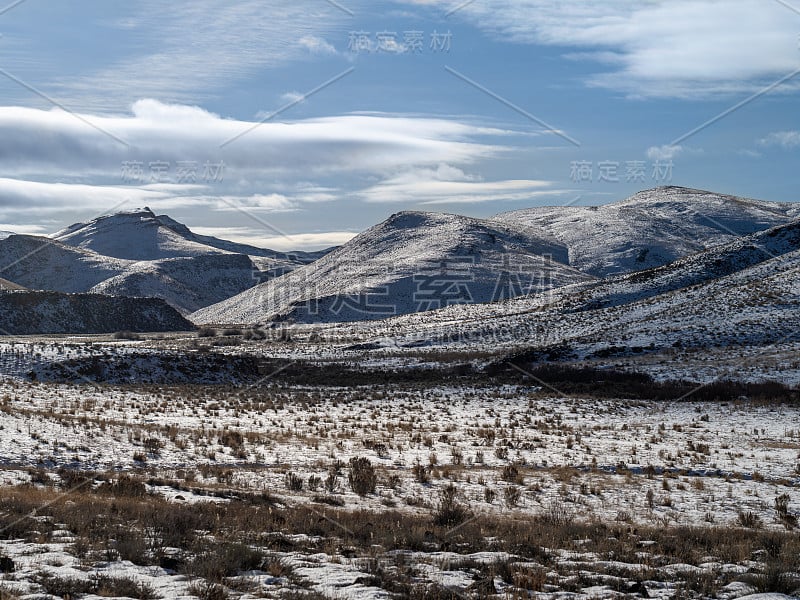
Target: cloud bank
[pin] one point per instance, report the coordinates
(658, 48)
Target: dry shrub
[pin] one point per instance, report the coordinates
(529, 578)
(130, 544)
(294, 483)
(557, 514)
(125, 486)
(450, 511)
(206, 590)
(510, 473)
(123, 587)
(362, 476)
(749, 519)
(225, 560)
(512, 496)
(7, 594)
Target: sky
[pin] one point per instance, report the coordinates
(295, 124)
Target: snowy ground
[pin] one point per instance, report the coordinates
(511, 452)
(600, 471)
(601, 457)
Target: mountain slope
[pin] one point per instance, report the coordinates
(41, 263)
(297, 257)
(186, 283)
(26, 313)
(746, 292)
(652, 228)
(413, 261)
(165, 259)
(142, 235)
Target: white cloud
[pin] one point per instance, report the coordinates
(185, 50)
(680, 48)
(316, 45)
(283, 243)
(61, 166)
(666, 152)
(33, 197)
(747, 153)
(785, 139)
(21, 229)
(54, 142)
(450, 185)
(257, 203)
(309, 241)
(287, 97)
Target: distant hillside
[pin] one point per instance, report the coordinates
(26, 312)
(411, 262)
(137, 253)
(651, 228)
(741, 294)
(40, 263)
(142, 235)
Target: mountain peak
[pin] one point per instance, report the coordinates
(143, 212)
(409, 219)
(669, 193)
(136, 234)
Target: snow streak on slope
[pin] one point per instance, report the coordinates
(414, 261)
(6, 285)
(651, 228)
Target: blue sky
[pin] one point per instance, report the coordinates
(469, 107)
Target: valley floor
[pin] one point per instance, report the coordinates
(390, 491)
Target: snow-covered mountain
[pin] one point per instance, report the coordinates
(187, 283)
(593, 258)
(40, 263)
(411, 262)
(388, 269)
(135, 235)
(743, 293)
(651, 228)
(140, 254)
(142, 235)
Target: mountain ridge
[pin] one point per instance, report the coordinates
(398, 265)
(652, 227)
(140, 254)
